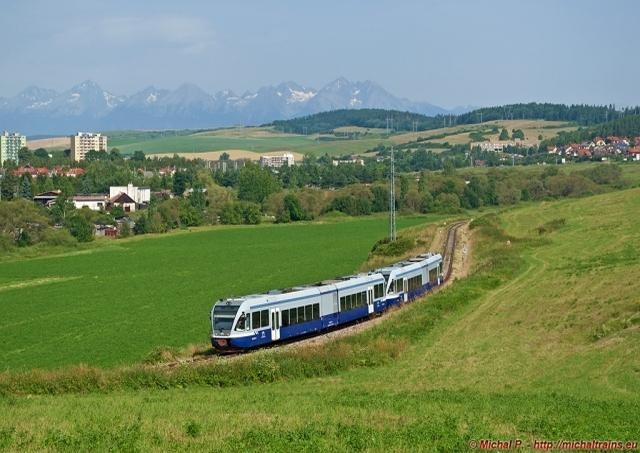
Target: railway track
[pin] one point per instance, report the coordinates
(448, 252)
(449, 249)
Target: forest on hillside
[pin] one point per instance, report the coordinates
(397, 121)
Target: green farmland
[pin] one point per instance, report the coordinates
(113, 304)
(257, 140)
(541, 343)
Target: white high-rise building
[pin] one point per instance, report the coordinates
(83, 142)
(277, 161)
(10, 144)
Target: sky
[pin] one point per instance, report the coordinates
(446, 52)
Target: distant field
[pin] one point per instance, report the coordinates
(50, 144)
(458, 135)
(114, 304)
(250, 142)
(255, 140)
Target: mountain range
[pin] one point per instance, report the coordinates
(88, 107)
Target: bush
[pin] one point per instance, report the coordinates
(59, 237)
(386, 247)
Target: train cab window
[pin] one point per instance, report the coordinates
(241, 325)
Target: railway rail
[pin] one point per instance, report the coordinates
(448, 252)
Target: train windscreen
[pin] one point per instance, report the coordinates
(223, 316)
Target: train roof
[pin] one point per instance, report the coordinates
(411, 263)
(304, 291)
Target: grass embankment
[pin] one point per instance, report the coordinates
(515, 351)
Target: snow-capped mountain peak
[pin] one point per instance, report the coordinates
(86, 106)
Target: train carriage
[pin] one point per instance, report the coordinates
(407, 280)
(259, 319)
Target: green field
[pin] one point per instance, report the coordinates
(112, 305)
(258, 140)
(267, 139)
(541, 343)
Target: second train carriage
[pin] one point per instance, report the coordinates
(259, 319)
(412, 278)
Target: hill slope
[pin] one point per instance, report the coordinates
(541, 344)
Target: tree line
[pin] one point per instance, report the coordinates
(397, 121)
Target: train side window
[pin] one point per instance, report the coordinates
(293, 315)
(255, 319)
(285, 318)
(398, 285)
(300, 314)
(308, 312)
(316, 311)
(378, 290)
(264, 318)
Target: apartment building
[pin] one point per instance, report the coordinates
(10, 144)
(83, 142)
(277, 161)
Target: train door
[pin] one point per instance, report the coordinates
(275, 324)
(405, 289)
(370, 299)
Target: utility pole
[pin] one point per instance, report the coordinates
(392, 201)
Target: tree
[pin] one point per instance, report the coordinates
(62, 209)
(255, 184)
(180, 181)
(81, 228)
(293, 209)
(41, 153)
(504, 134)
(138, 156)
(8, 185)
(25, 187)
(22, 222)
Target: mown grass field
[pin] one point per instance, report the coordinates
(258, 140)
(540, 343)
(265, 139)
(459, 135)
(113, 304)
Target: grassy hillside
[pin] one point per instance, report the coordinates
(541, 343)
(345, 140)
(114, 304)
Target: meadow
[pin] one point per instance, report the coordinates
(258, 140)
(114, 303)
(540, 343)
(267, 139)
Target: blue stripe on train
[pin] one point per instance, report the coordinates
(264, 336)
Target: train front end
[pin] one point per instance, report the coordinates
(223, 319)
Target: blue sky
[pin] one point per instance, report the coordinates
(449, 53)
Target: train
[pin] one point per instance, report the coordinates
(256, 320)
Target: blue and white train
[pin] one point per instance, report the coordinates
(260, 319)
